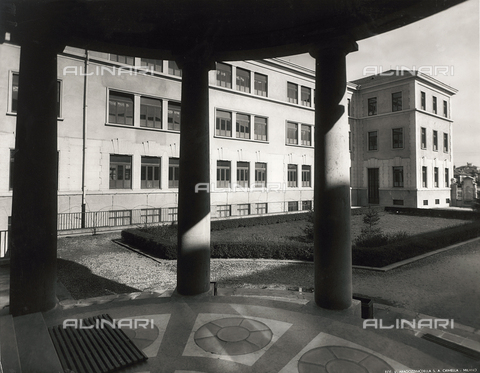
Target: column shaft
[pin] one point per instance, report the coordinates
(332, 247)
(34, 207)
(193, 271)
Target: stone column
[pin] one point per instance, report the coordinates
(193, 271)
(332, 244)
(33, 260)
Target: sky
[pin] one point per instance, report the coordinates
(450, 39)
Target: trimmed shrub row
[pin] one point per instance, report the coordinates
(436, 213)
(218, 225)
(150, 244)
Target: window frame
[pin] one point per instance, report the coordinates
(371, 146)
(125, 162)
(242, 124)
(143, 104)
(434, 104)
(173, 172)
(397, 142)
(125, 59)
(436, 183)
(292, 175)
(398, 180)
(292, 90)
(223, 121)
(154, 164)
(397, 101)
(243, 174)
(258, 84)
(151, 62)
(292, 128)
(306, 96)
(445, 142)
(224, 76)
(423, 137)
(303, 140)
(246, 83)
(173, 68)
(435, 141)
(306, 176)
(372, 104)
(119, 96)
(259, 136)
(423, 100)
(174, 110)
(259, 172)
(424, 177)
(224, 174)
(445, 109)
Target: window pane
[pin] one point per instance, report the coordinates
(306, 96)
(224, 75)
(292, 92)
(260, 84)
(243, 80)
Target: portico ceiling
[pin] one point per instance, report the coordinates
(225, 29)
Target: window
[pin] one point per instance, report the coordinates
(173, 172)
(122, 59)
(306, 135)
(260, 175)
(293, 206)
(306, 205)
(155, 65)
(261, 208)
(398, 202)
(243, 209)
(12, 157)
(435, 177)
(150, 216)
(424, 138)
(424, 177)
(260, 128)
(224, 123)
(243, 126)
(174, 110)
(260, 84)
(306, 176)
(120, 109)
(243, 80)
(120, 171)
(397, 135)
(150, 173)
(397, 101)
(373, 140)
(398, 177)
(224, 210)
(243, 170)
(447, 179)
(445, 142)
(425, 202)
(435, 140)
(173, 69)
(292, 175)
(437, 201)
(447, 200)
(173, 214)
(224, 75)
(223, 174)
(434, 105)
(422, 101)
(372, 106)
(445, 109)
(292, 133)
(292, 92)
(120, 217)
(306, 96)
(150, 112)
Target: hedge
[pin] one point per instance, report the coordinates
(465, 214)
(218, 225)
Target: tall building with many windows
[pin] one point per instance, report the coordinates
(401, 140)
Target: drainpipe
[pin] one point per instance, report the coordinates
(84, 146)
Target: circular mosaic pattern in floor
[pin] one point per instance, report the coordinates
(233, 336)
(339, 359)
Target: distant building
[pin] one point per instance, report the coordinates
(463, 171)
(401, 147)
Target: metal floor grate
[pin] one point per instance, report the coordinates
(94, 350)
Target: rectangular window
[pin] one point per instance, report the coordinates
(260, 84)
(306, 135)
(398, 202)
(306, 96)
(260, 128)
(120, 218)
(424, 138)
(224, 211)
(260, 175)
(435, 177)
(224, 75)
(224, 123)
(373, 140)
(293, 206)
(120, 171)
(372, 106)
(424, 177)
(398, 177)
(243, 80)
(437, 201)
(122, 59)
(120, 109)
(292, 133)
(397, 101)
(173, 69)
(435, 140)
(306, 176)
(150, 173)
(434, 105)
(223, 174)
(150, 112)
(174, 111)
(397, 136)
(422, 101)
(10, 180)
(173, 172)
(445, 109)
(292, 92)
(148, 216)
(425, 202)
(243, 126)
(445, 142)
(292, 175)
(243, 170)
(150, 64)
(447, 179)
(173, 214)
(261, 208)
(243, 209)
(306, 205)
